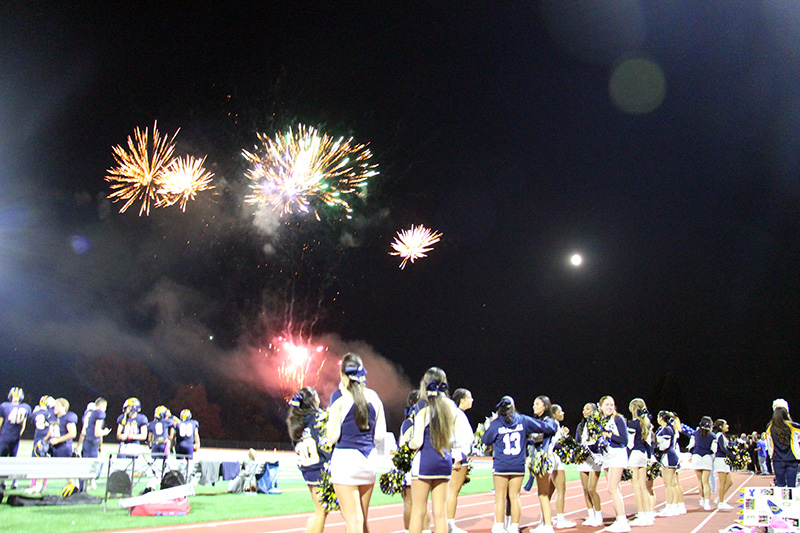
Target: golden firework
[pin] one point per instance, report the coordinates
(139, 167)
(181, 180)
(414, 243)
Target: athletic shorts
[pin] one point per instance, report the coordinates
(312, 477)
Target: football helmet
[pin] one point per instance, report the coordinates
(132, 405)
(186, 415)
(161, 412)
(16, 394)
(48, 402)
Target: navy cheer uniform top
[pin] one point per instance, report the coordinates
(342, 427)
(702, 443)
(582, 437)
(428, 462)
(639, 444)
(311, 456)
(619, 432)
(783, 452)
(667, 439)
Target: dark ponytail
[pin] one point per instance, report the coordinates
(353, 368)
(301, 404)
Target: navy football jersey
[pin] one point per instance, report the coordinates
(91, 423)
(508, 442)
(13, 416)
(131, 426)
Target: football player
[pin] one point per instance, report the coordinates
(187, 435)
(94, 430)
(84, 421)
(161, 431)
(131, 426)
(13, 417)
(63, 429)
(42, 416)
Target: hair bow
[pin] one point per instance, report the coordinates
(296, 400)
(505, 401)
(642, 412)
(356, 373)
(434, 388)
(705, 425)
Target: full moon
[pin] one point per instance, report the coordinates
(576, 260)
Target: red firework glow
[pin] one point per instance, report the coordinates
(299, 363)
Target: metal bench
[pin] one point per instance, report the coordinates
(50, 468)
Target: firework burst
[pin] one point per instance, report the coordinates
(414, 243)
(298, 363)
(300, 172)
(139, 168)
(181, 180)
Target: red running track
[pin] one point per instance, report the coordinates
(476, 513)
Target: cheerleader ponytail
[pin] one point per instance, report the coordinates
(434, 390)
(353, 368)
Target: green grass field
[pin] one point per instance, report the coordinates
(210, 504)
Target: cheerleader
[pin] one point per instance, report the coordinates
(506, 435)
(463, 399)
(434, 436)
(700, 442)
(782, 446)
(543, 413)
(615, 459)
(355, 423)
(405, 435)
(640, 433)
(721, 466)
(590, 469)
(666, 440)
(558, 476)
(304, 427)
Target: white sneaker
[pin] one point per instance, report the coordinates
(666, 511)
(565, 524)
(546, 529)
(498, 528)
(36, 489)
(724, 506)
(681, 509)
(597, 521)
(456, 529)
(619, 526)
(640, 521)
(706, 505)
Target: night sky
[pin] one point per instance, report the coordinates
(660, 140)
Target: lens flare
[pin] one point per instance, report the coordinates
(414, 243)
(299, 173)
(181, 180)
(139, 167)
